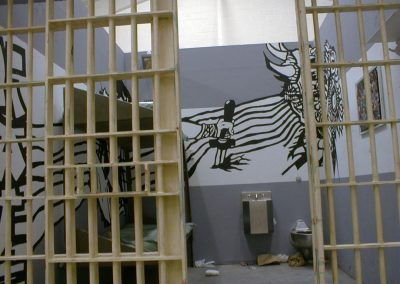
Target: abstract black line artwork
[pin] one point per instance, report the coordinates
(276, 119)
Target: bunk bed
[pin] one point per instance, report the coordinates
(124, 120)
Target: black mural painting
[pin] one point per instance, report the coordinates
(224, 140)
(276, 119)
(19, 130)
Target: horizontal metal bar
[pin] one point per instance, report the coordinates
(23, 30)
(358, 122)
(125, 194)
(19, 198)
(109, 165)
(356, 63)
(112, 134)
(22, 84)
(109, 257)
(107, 76)
(103, 21)
(22, 140)
(366, 183)
(22, 257)
(362, 246)
(352, 8)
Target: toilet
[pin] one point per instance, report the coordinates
(301, 239)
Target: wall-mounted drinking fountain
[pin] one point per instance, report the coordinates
(257, 212)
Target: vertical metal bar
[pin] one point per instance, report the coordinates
(327, 153)
(349, 144)
(70, 236)
(137, 200)
(115, 227)
(156, 101)
(157, 145)
(135, 97)
(179, 140)
(140, 276)
(28, 193)
(371, 133)
(49, 210)
(313, 164)
(8, 170)
(91, 146)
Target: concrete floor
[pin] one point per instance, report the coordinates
(273, 274)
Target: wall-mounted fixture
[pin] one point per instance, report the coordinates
(257, 212)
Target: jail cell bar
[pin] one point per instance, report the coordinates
(170, 257)
(316, 184)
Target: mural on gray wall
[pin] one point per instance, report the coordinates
(224, 136)
(19, 166)
(268, 121)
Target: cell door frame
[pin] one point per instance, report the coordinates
(316, 183)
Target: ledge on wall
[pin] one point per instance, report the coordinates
(124, 120)
(392, 29)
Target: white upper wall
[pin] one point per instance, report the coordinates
(232, 22)
(198, 23)
(224, 22)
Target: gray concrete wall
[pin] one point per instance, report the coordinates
(217, 212)
(211, 75)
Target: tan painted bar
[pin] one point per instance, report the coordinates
(8, 175)
(162, 271)
(49, 209)
(115, 222)
(91, 147)
(29, 188)
(137, 200)
(363, 246)
(24, 30)
(360, 63)
(327, 153)
(103, 21)
(69, 149)
(311, 136)
(358, 6)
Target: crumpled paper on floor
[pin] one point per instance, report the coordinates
(202, 263)
(270, 259)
